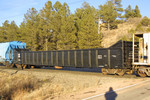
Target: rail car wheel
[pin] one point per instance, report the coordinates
(120, 72)
(141, 72)
(104, 71)
(18, 65)
(12, 65)
(9, 65)
(24, 66)
(32, 67)
(130, 72)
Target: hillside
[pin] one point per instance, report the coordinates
(112, 36)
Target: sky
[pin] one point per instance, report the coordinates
(15, 9)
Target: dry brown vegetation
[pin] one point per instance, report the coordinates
(112, 36)
(54, 84)
(25, 86)
(12, 85)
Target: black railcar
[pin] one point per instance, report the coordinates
(115, 59)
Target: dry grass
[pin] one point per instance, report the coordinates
(112, 36)
(63, 83)
(25, 86)
(54, 84)
(12, 85)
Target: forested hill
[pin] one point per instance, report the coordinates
(54, 27)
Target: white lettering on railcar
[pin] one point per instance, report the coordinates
(114, 56)
(100, 66)
(99, 56)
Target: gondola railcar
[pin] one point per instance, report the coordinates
(116, 59)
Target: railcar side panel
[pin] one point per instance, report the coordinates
(48, 54)
(66, 58)
(72, 58)
(35, 58)
(117, 56)
(54, 58)
(93, 58)
(60, 58)
(78, 57)
(45, 58)
(85, 58)
(103, 58)
(31, 58)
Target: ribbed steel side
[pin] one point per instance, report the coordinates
(117, 56)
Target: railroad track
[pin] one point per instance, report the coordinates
(52, 70)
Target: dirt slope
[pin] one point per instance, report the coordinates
(112, 36)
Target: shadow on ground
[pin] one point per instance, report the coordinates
(98, 70)
(111, 94)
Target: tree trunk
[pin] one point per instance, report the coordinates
(108, 26)
(46, 40)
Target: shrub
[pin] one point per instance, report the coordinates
(12, 85)
(113, 26)
(125, 38)
(145, 21)
(148, 29)
(139, 28)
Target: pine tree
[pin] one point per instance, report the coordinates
(117, 6)
(23, 33)
(137, 12)
(87, 34)
(1, 34)
(57, 30)
(107, 13)
(14, 34)
(129, 12)
(145, 21)
(46, 27)
(4, 31)
(9, 32)
(57, 23)
(30, 25)
(66, 37)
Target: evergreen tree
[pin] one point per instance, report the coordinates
(139, 28)
(145, 21)
(22, 31)
(4, 31)
(66, 37)
(137, 12)
(1, 34)
(46, 27)
(117, 6)
(30, 31)
(57, 22)
(9, 32)
(107, 13)
(129, 13)
(14, 33)
(87, 34)
(57, 30)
